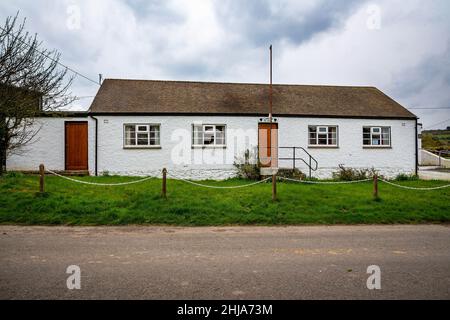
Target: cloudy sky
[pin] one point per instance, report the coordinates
(400, 46)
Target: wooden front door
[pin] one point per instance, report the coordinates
(268, 144)
(76, 137)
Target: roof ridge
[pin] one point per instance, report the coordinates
(240, 83)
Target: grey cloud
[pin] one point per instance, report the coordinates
(427, 85)
(156, 11)
(259, 24)
(148, 39)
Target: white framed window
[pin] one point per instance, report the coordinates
(208, 135)
(323, 136)
(141, 135)
(377, 136)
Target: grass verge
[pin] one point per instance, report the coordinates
(70, 203)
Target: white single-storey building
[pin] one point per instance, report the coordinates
(198, 130)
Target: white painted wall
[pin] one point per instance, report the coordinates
(177, 155)
(430, 159)
(400, 158)
(47, 146)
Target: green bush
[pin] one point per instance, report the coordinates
(14, 174)
(292, 174)
(246, 169)
(406, 177)
(351, 174)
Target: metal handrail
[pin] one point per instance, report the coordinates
(294, 158)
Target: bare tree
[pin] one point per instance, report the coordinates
(31, 82)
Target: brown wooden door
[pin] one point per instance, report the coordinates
(76, 145)
(268, 144)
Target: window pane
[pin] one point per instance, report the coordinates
(332, 135)
(220, 135)
(322, 138)
(154, 139)
(385, 136)
(130, 135)
(331, 138)
(208, 138)
(142, 139)
(142, 128)
(376, 139)
(367, 141)
(312, 135)
(154, 135)
(208, 135)
(197, 135)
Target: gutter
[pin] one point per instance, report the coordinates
(96, 143)
(237, 114)
(417, 150)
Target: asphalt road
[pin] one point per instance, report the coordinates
(225, 263)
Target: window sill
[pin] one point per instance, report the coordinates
(208, 147)
(142, 147)
(322, 147)
(377, 147)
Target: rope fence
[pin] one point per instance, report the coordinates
(414, 188)
(165, 173)
(96, 183)
(324, 182)
(219, 187)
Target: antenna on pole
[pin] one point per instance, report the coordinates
(271, 142)
(270, 90)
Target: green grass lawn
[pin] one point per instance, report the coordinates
(70, 203)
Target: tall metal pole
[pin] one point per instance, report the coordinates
(270, 90)
(274, 176)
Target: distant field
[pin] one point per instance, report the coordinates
(435, 140)
(70, 203)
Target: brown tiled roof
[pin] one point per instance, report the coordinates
(182, 97)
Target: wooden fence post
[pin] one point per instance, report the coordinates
(274, 187)
(41, 178)
(375, 186)
(164, 183)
